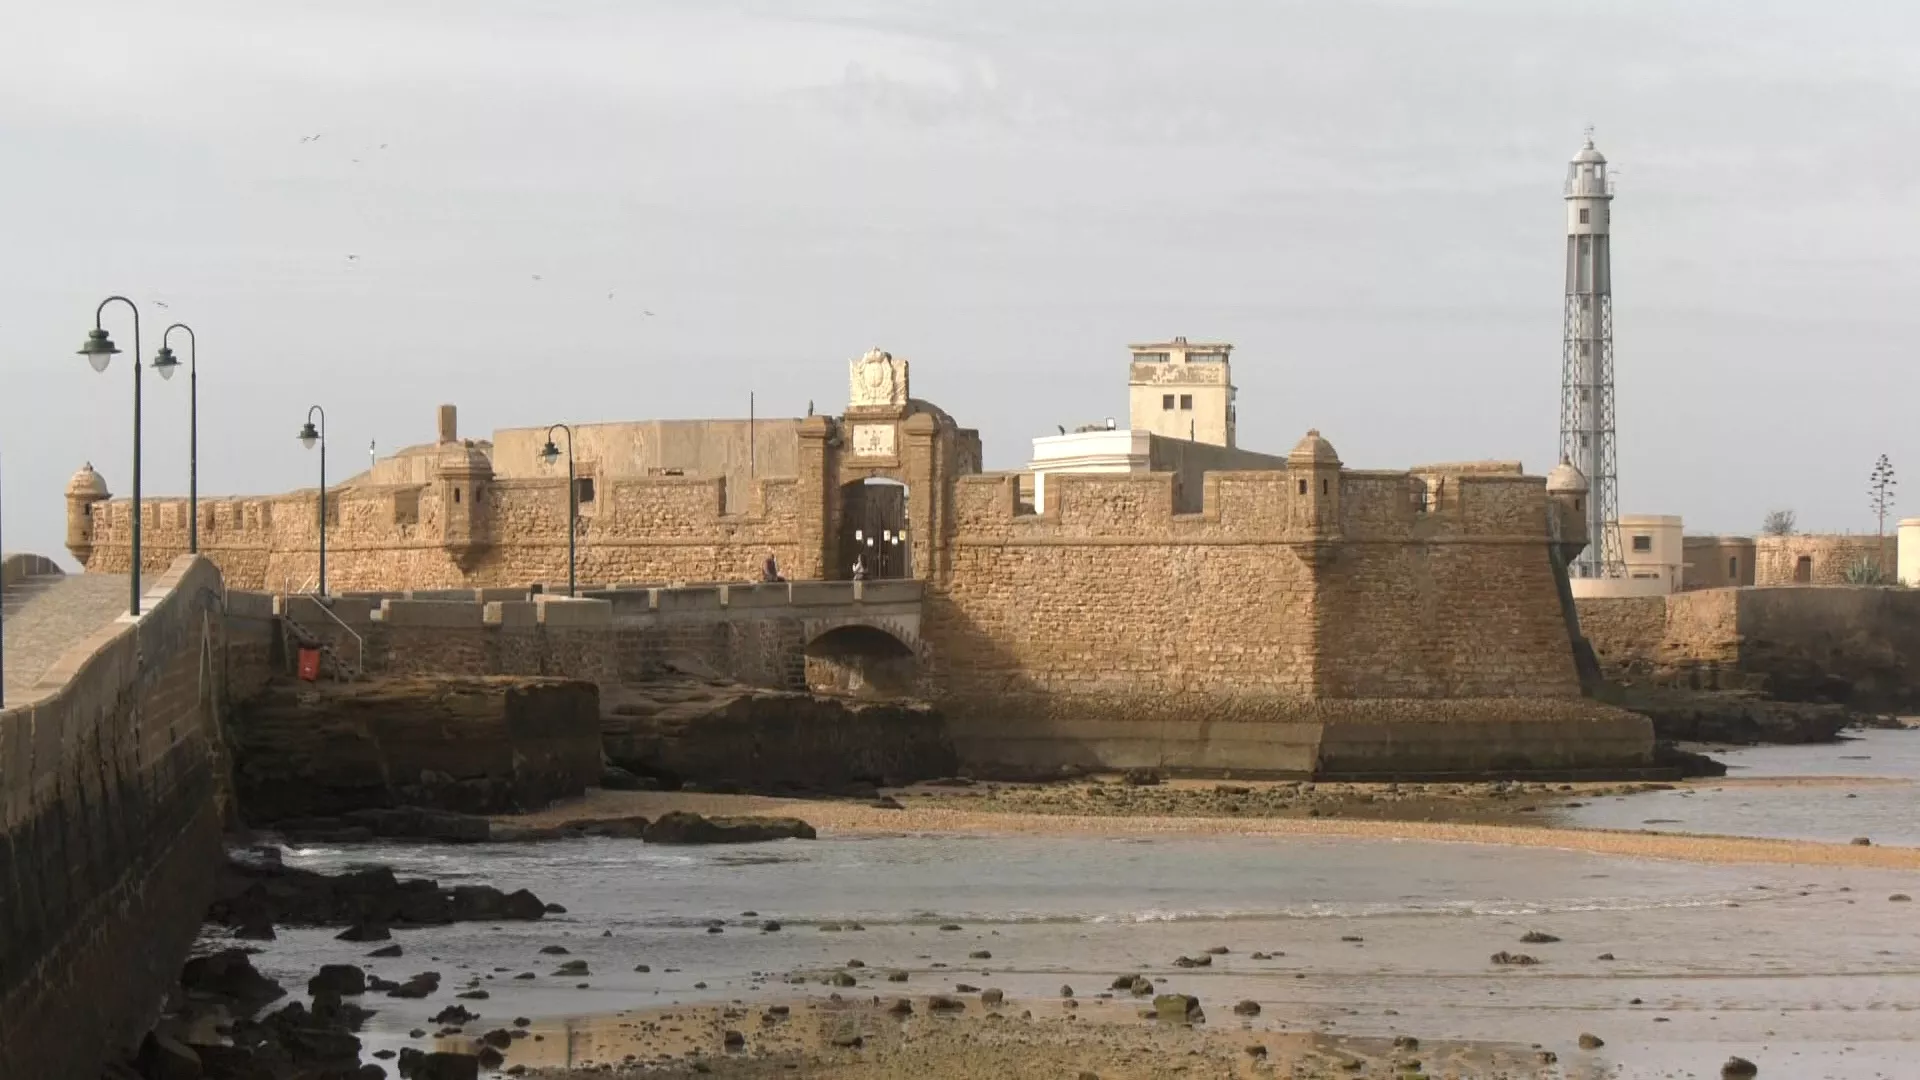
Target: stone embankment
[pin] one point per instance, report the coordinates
(476, 744)
(727, 736)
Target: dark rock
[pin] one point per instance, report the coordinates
(950, 927)
(573, 967)
(992, 996)
(1738, 1068)
(490, 1058)
(684, 828)
(841, 978)
(900, 1007)
(1193, 961)
(1591, 1042)
(642, 968)
(1900, 898)
(386, 951)
(162, 1058)
(1247, 1008)
(733, 1040)
(473, 995)
(943, 1003)
(229, 975)
(1178, 1008)
(364, 932)
(771, 926)
(846, 1038)
(555, 909)
(1535, 937)
(418, 986)
(1066, 991)
(980, 954)
(896, 976)
(1517, 959)
(338, 979)
(454, 1014)
(443, 1066)
(1141, 777)
(554, 950)
(1604, 956)
(615, 778)
(1405, 1042)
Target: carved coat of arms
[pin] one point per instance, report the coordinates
(877, 379)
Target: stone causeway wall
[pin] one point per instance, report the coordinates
(110, 822)
(1822, 559)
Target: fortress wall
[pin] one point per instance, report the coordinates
(109, 829)
(1381, 638)
(393, 537)
(1625, 631)
(1458, 603)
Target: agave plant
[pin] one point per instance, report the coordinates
(1866, 571)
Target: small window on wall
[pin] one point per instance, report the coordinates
(1186, 401)
(1803, 569)
(1303, 487)
(1643, 543)
(1166, 402)
(456, 495)
(1733, 567)
(406, 507)
(583, 490)
(1583, 217)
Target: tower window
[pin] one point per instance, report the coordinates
(1733, 567)
(1325, 487)
(1186, 401)
(583, 490)
(456, 495)
(1643, 543)
(1583, 216)
(1303, 487)
(1166, 402)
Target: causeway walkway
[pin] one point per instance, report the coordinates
(48, 614)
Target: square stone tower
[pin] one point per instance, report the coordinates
(1183, 390)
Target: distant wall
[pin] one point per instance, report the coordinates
(1716, 562)
(1190, 461)
(1858, 645)
(22, 566)
(111, 831)
(738, 451)
(1777, 559)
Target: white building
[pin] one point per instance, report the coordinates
(1653, 552)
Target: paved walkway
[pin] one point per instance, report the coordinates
(46, 616)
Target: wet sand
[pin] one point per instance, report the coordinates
(942, 812)
(869, 1039)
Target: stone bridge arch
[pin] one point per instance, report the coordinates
(869, 658)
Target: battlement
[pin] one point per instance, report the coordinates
(1435, 504)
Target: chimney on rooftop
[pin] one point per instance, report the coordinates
(449, 424)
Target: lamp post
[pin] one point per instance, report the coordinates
(551, 453)
(164, 363)
(308, 436)
(100, 351)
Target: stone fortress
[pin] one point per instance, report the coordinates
(1198, 608)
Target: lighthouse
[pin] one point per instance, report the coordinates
(1586, 365)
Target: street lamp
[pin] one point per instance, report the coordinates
(308, 436)
(100, 351)
(164, 363)
(549, 454)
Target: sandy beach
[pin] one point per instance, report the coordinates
(939, 811)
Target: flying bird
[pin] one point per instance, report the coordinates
(609, 296)
(383, 146)
(648, 314)
(159, 303)
(536, 277)
(311, 138)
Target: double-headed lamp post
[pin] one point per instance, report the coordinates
(164, 363)
(551, 453)
(308, 436)
(100, 351)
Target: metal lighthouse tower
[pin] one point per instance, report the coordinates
(1586, 364)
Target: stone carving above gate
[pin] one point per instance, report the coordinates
(877, 381)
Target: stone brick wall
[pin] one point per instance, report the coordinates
(1625, 631)
(1714, 562)
(111, 832)
(1777, 558)
(1851, 644)
(387, 537)
(1297, 603)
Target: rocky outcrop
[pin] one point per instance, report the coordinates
(685, 828)
(472, 744)
(765, 740)
(1732, 717)
(259, 892)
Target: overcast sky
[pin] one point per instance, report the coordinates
(1364, 197)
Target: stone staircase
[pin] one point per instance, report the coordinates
(299, 636)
